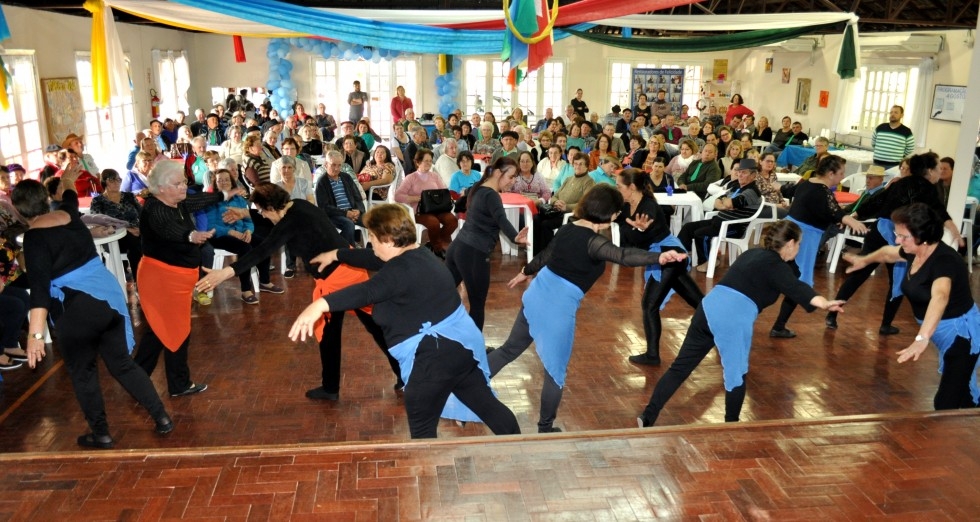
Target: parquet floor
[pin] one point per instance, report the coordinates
(833, 427)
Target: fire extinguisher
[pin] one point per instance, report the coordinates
(154, 103)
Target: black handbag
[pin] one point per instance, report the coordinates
(435, 201)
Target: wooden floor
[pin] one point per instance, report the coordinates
(832, 427)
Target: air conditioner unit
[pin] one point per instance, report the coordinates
(796, 45)
(912, 43)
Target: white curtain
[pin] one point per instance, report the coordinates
(917, 118)
(173, 79)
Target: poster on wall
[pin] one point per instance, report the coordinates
(652, 81)
(62, 108)
(720, 71)
(947, 103)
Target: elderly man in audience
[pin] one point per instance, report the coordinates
(325, 122)
(588, 140)
(86, 185)
(702, 172)
(347, 129)
(339, 196)
(670, 131)
(616, 144)
(508, 146)
(741, 199)
(213, 131)
(781, 136)
(487, 145)
(74, 143)
(156, 132)
(418, 142)
(290, 148)
(135, 179)
(544, 122)
(200, 123)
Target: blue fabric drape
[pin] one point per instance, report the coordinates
(887, 230)
(655, 271)
(94, 279)
(731, 316)
(966, 326)
(369, 33)
(550, 306)
(4, 28)
(809, 247)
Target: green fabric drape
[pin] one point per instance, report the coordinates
(701, 44)
(847, 63)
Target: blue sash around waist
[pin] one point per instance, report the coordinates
(550, 305)
(809, 247)
(887, 230)
(94, 279)
(459, 327)
(731, 316)
(966, 326)
(654, 271)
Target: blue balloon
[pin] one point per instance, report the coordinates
(357, 49)
(376, 58)
(335, 51)
(454, 84)
(287, 83)
(281, 52)
(274, 76)
(457, 62)
(440, 81)
(288, 65)
(393, 54)
(348, 54)
(283, 104)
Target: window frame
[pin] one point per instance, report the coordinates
(31, 158)
(106, 145)
(495, 82)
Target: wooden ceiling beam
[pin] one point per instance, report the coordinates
(923, 23)
(895, 12)
(966, 7)
(831, 5)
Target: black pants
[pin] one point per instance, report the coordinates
(471, 267)
(330, 345)
(132, 246)
(240, 248)
(699, 341)
(88, 329)
(699, 233)
(517, 342)
(545, 225)
(13, 313)
(672, 276)
(441, 367)
(954, 384)
(148, 354)
(873, 241)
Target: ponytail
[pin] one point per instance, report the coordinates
(500, 165)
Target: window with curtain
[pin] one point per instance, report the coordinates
(333, 80)
(174, 79)
(20, 125)
(621, 78)
(540, 90)
(866, 100)
(109, 132)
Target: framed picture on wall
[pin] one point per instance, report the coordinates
(948, 102)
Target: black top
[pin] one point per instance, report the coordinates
(780, 137)
(411, 289)
(943, 262)
(912, 189)
(579, 255)
(761, 275)
(165, 229)
(815, 205)
(656, 232)
(485, 219)
(581, 108)
(306, 230)
(765, 135)
(53, 252)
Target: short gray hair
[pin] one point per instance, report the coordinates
(335, 155)
(162, 173)
(289, 161)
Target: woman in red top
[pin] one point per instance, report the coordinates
(737, 108)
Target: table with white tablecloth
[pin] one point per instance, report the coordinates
(688, 204)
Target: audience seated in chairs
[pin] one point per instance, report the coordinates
(115, 203)
(379, 171)
(701, 172)
(338, 194)
(440, 226)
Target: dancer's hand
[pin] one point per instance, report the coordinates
(521, 238)
(913, 351)
(213, 278)
(672, 256)
(518, 279)
(856, 262)
(324, 260)
(641, 223)
(303, 325)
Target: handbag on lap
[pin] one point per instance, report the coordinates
(435, 201)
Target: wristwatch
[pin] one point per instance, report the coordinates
(38, 336)
(920, 338)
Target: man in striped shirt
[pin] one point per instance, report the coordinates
(892, 141)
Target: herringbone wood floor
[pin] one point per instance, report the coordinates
(253, 447)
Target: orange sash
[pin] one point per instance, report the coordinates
(341, 278)
(165, 295)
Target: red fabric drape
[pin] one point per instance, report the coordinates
(587, 11)
(239, 49)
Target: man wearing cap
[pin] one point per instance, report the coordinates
(865, 207)
(74, 142)
(347, 129)
(213, 133)
(892, 141)
(612, 117)
(623, 125)
(508, 147)
(237, 120)
(741, 199)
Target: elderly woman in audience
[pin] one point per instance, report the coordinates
(643, 225)
(688, 152)
(637, 155)
(446, 164)
(415, 301)
(440, 226)
(171, 257)
(399, 142)
(727, 315)
(564, 272)
(487, 145)
(575, 136)
(822, 147)
(655, 149)
(468, 256)
(528, 181)
(938, 288)
(135, 180)
(603, 148)
(298, 188)
(563, 200)
(353, 157)
(269, 151)
(301, 169)
(86, 185)
(234, 147)
(307, 231)
(466, 129)
(182, 146)
(814, 210)
(257, 169)
(553, 167)
(918, 187)
(379, 171)
(312, 143)
(465, 177)
(114, 202)
(92, 319)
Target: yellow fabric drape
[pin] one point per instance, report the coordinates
(5, 81)
(100, 61)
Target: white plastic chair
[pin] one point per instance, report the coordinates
(742, 243)
(419, 229)
(219, 263)
(966, 229)
(840, 240)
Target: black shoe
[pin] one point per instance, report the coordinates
(490, 349)
(888, 330)
(645, 358)
(643, 422)
(399, 387)
(783, 333)
(191, 390)
(90, 440)
(831, 322)
(322, 395)
(548, 429)
(289, 273)
(164, 425)
(271, 288)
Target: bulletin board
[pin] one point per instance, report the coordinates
(649, 81)
(63, 109)
(948, 102)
